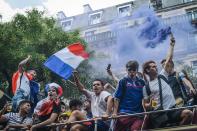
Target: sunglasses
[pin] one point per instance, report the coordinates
(131, 69)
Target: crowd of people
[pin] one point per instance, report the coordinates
(136, 92)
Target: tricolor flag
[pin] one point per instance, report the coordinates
(66, 60)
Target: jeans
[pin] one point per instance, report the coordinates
(17, 98)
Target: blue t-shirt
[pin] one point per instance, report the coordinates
(131, 102)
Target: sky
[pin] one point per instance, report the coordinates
(8, 8)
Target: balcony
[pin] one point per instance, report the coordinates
(190, 17)
(161, 7)
(100, 37)
(193, 17)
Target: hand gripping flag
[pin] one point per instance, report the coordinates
(66, 60)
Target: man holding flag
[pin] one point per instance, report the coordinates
(24, 86)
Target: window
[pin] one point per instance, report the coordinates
(193, 36)
(124, 10)
(185, 1)
(194, 63)
(157, 4)
(192, 14)
(89, 33)
(67, 24)
(95, 18)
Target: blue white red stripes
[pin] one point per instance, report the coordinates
(66, 60)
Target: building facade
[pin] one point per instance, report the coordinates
(94, 25)
(181, 10)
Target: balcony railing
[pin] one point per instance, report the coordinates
(159, 5)
(145, 114)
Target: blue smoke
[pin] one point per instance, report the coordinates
(145, 40)
(151, 30)
(159, 37)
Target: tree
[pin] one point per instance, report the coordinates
(36, 35)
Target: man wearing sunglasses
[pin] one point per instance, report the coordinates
(128, 99)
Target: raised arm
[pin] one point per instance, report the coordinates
(113, 77)
(189, 85)
(79, 85)
(170, 52)
(22, 63)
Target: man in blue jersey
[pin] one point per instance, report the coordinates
(128, 99)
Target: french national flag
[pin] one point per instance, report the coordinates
(66, 60)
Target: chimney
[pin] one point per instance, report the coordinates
(61, 15)
(87, 8)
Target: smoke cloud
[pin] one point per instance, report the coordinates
(146, 40)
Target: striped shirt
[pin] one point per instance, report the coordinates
(14, 118)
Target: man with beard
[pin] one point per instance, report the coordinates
(158, 95)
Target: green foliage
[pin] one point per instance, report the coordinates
(35, 35)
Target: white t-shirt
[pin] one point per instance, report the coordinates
(98, 103)
(168, 97)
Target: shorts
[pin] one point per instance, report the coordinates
(174, 116)
(129, 123)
